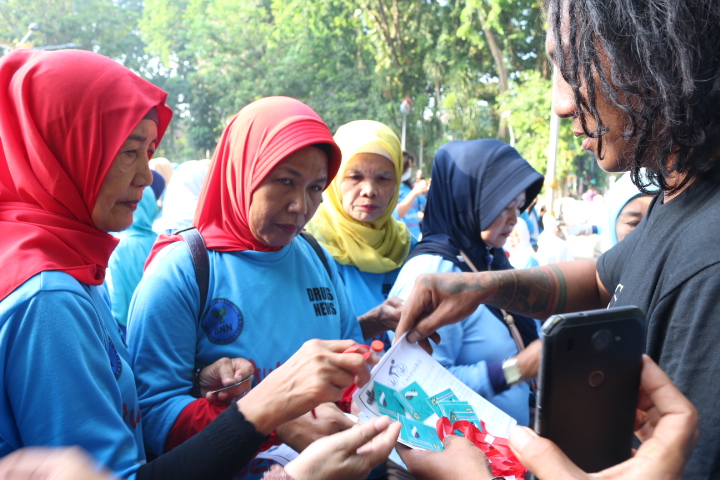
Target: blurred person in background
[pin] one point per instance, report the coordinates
(127, 261)
(520, 253)
(181, 197)
(411, 201)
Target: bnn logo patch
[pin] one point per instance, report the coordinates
(223, 323)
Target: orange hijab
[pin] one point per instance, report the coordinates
(257, 139)
(64, 117)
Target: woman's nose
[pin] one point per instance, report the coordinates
(299, 204)
(369, 189)
(144, 176)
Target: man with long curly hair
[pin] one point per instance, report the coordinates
(640, 80)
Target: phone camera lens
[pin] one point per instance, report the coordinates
(601, 339)
(596, 379)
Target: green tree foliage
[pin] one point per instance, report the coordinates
(108, 27)
(461, 62)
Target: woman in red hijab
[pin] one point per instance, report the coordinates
(76, 133)
(269, 291)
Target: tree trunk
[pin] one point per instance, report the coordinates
(499, 65)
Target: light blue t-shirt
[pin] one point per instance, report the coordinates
(411, 217)
(367, 290)
(261, 306)
(66, 373)
(468, 346)
(125, 268)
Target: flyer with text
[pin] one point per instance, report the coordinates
(410, 386)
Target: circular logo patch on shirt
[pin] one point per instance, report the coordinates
(223, 323)
(115, 363)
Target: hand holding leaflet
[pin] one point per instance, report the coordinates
(410, 386)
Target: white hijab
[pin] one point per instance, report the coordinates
(181, 196)
(551, 248)
(522, 255)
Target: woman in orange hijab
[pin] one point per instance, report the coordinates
(76, 133)
(269, 291)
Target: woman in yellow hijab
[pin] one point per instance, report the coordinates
(355, 222)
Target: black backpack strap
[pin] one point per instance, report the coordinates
(318, 250)
(201, 262)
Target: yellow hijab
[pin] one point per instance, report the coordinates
(377, 247)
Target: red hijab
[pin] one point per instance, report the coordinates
(63, 119)
(257, 139)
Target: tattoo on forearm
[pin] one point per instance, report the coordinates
(560, 288)
(536, 292)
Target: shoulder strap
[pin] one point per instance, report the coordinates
(318, 250)
(501, 314)
(200, 260)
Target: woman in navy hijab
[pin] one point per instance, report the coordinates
(479, 187)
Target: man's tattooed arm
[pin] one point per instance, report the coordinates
(542, 291)
(444, 298)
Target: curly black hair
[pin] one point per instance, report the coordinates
(659, 62)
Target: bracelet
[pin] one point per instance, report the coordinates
(498, 478)
(195, 391)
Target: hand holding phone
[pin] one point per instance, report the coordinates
(669, 434)
(589, 383)
(235, 391)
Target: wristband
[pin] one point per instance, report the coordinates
(195, 391)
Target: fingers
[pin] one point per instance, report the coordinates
(230, 394)
(459, 459)
(673, 417)
(337, 346)
(541, 456)
(425, 344)
(414, 310)
(380, 447)
(662, 392)
(325, 361)
(362, 376)
(351, 440)
(225, 371)
(395, 302)
(427, 325)
(243, 368)
(383, 441)
(355, 364)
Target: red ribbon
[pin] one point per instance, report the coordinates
(503, 461)
(355, 349)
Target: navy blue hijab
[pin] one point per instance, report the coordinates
(472, 183)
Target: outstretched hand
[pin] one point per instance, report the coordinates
(349, 455)
(436, 300)
(666, 423)
(460, 459)
(382, 318)
(315, 374)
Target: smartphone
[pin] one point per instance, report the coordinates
(228, 387)
(588, 384)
